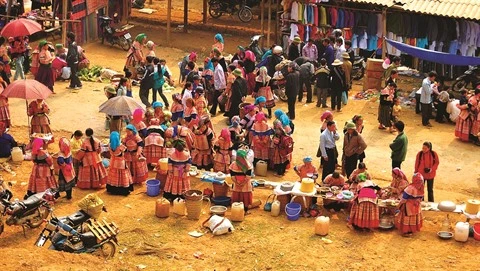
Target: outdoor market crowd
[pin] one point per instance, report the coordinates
(182, 134)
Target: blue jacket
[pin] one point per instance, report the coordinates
(329, 55)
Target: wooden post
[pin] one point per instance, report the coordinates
(185, 15)
(277, 23)
(205, 11)
(269, 21)
(384, 24)
(64, 23)
(262, 26)
(169, 18)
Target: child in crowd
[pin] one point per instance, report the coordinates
(397, 109)
(128, 85)
(122, 87)
(66, 174)
(76, 141)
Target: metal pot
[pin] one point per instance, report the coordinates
(447, 206)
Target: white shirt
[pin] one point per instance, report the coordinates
(219, 81)
(327, 141)
(186, 94)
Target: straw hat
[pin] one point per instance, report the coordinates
(237, 72)
(297, 40)
(337, 63)
(345, 55)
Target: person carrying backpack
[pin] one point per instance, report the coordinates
(426, 164)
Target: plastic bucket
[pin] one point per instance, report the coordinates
(153, 188)
(476, 231)
(293, 210)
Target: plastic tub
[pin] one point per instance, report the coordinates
(223, 201)
(293, 210)
(153, 188)
(476, 231)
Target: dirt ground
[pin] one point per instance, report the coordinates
(261, 242)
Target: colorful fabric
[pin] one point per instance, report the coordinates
(118, 174)
(364, 215)
(39, 122)
(178, 179)
(138, 168)
(42, 176)
(223, 154)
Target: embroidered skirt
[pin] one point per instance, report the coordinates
(92, 177)
(41, 178)
(365, 215)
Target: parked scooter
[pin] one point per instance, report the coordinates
(471, 76)
(358, 67)
(28, 213)
(255, 47)
(216, 8)
(114, 36)
(101, 238)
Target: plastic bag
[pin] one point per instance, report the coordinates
(218, 225)
(91, 204)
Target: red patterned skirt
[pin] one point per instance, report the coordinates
(176, 185)
(222, 161)
(41, 178)
(5, 115)
(260, 151)
(92, 177)
(365, 215)
(408, 223)
(40, 124)
(119, 177)
(202, 158)
(475, 127)
(250, 82)
(153, 153)
(139, 170)
(245, 197)
(463, 128)
(278, 158)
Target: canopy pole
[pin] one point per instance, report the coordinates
(269, 21)
(384, 26)
(169, 19)
(262, 15)
(185, 15)
(64, 24)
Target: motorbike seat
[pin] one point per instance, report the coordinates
(78, 218)
(32, 202)
(88, 239)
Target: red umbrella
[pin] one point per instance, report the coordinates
(27, 89)
(21, 27)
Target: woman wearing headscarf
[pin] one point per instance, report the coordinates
(92, 173)
(262, 88)
(410, 219)
(66, 174)
(237, 134)
(223, 152)
(280, 158)
(138, 123)
(42, 177)
(158, 111)
(135, 55)
(200, 102)
(202, 154)
(178, 179)
(177, 107)
(249, 67)
(134, 158)
(45, 72)
(219, 43)
(241, 170)
(426, 163)
(40, 123)
(238, 93)
(119, 180)
(261, 138)
(154, 143)
(365, 213)
(399, 183)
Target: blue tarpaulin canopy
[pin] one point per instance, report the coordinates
(434, 56)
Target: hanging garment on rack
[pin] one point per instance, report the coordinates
(372, 42)
(315, 15)
(432, 46)
(453, 47)
(334, 17)
(293, 31)
(340, 19)
(372, 24)
(322, 16)
(421, 43)
(363, 41)
(354, 41)
(310, 14)
(432, 28)
(390, 48)
(294, 11)
(379, 26)
(308, 30)
(398, 52)
(347, 33)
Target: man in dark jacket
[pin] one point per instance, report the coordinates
(239, 90)
(147, 82)
(292, 87)
(329, 53)
(322, 85)
(306, 72)
(339, 84)
(399, 146)
(294, 49)
(273, 60)
(72, 61)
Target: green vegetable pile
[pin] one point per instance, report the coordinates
(91, 75)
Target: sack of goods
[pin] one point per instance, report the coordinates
(91, 204)
(219, 225)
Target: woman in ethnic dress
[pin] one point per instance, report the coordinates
(399, 183)
(365, 214)
(154, 143)
(178, 179)
(177, 107)
(39, 123)
(261, 133)
(262, 88)
(475, 102)
(228, 91)
(200, 102)
(4, 111)
(119, 180)
(223, 152)
(241, 171)
(92, 173)
(138, 123)
(42, 177)
(134, 158)
(202, 154)
(66, 175)
(190, 115)
(45, 72)
(410, 219)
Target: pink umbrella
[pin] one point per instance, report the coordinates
(27, 89)
(21, 27)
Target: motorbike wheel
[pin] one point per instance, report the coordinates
(107, 250)
(245, 14)
(43, 213)
(124, 43)
(215, 11)
(359, 75)
(458, 84)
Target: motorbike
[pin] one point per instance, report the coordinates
(471, 76)
(119, 36)
(216, 8)
(255, 47)
(27, 213)
(101, 239)
(358, 66)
